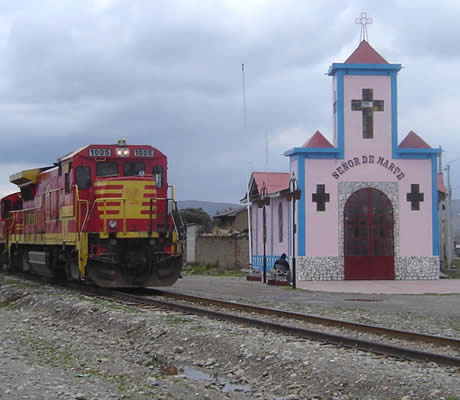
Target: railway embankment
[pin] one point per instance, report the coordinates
(59, 344)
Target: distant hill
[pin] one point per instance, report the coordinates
(208, 206)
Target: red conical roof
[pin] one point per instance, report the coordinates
(365, 54)
(317, 140)
(413, 141)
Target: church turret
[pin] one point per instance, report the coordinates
(365, 102)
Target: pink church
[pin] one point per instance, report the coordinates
(368, 207)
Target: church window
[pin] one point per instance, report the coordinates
(280, 223)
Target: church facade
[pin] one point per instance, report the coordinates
(368, 206)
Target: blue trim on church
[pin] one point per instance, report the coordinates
(313, 152)
(301, 222)
(271, 227)
(434, 177)
(340, 109)
(364, 69)
(394, 116)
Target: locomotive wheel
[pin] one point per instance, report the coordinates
(71, 269)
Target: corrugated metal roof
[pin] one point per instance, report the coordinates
(274, 181)
(231, 213)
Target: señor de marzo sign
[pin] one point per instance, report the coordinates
(368, 159)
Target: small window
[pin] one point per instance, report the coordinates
(67, 182)
(106, 169)
(67, 168)
(280, 222)
(157, 173)
(27, 194)
(6, 208)
(134, 168)
(83, 178)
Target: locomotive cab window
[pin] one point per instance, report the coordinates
(27, 194)
(83, 177)
(6, 208)
(106, 169)
(134, 168)
(67, 171)
(157, 173)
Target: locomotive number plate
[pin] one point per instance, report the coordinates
(100, 152)
(143, 153)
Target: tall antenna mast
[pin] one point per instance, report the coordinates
(247, 193)
(244, 99)
(266, 152)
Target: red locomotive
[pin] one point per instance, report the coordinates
(100, 214)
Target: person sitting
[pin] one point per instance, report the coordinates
(281, 264)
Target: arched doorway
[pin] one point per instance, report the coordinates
(368, 236)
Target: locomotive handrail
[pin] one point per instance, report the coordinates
(79, 203)
(104, 200)
(13, 222)
(173, 192)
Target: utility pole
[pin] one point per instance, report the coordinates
(449, 220)
(450, 216)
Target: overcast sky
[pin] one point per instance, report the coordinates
(168, 73)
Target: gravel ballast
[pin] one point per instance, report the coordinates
(57, 344)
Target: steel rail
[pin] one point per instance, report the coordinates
(408, 335)
(343, 341)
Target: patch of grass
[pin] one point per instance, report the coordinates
(454, 273)
(175, 320)
(211, 270)
(5, 303)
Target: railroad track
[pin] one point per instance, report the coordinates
(148, 298)
(377, 347)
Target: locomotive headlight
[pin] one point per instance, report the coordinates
(113, 224)
(122, 152)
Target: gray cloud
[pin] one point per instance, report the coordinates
(169, 74)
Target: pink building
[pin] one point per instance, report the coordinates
(368, 207)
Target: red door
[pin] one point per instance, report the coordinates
(368, 236)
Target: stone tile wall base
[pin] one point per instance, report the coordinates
(319, 268)
(408, 268)
(331, 268)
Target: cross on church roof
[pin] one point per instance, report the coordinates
(363, 20)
